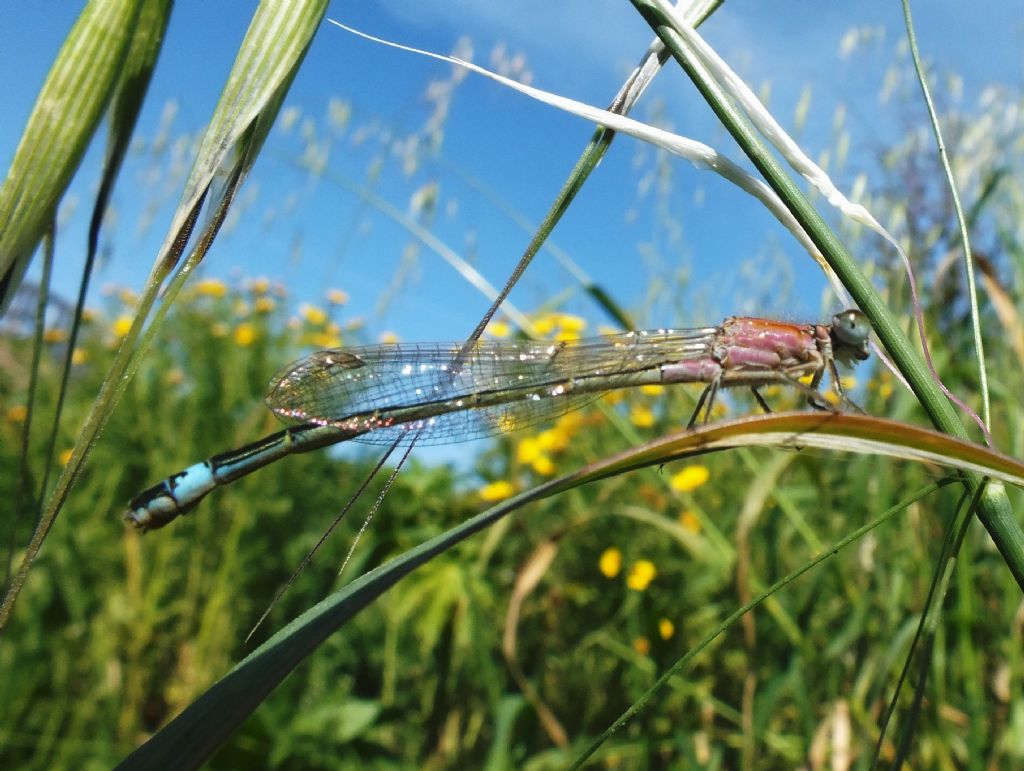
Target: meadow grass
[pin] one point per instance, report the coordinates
(124, 630)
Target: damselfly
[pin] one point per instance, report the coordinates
(439, 393)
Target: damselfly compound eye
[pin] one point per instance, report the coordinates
(851, 327)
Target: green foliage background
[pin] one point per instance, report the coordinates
(119, 631)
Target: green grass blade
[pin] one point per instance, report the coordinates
(972, 287)
(66, 114)
(134, 81)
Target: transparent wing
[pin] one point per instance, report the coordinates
(406, 391)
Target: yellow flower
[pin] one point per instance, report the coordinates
(570, 323)
(496, 491)
(263, 304)
(885, 389)
(610, 562)
(543, 465)
(17, 413)
(564, 334)
(337, 296)
(220, 329)
(88, 315)
(527, 450)
(259, 285)
(127, 296)
(544, 326)
(211, 287)
(388, 337)
(312, 314)
(653, 389)
(848, 383)
(122, 325)
(499, 329)
(64, 457)
(666, 628)
(613, 397)
(689, 478)
(690, 522)
(553, 440)
(323, 340)
(241, 308)
(569, 422)
(245, 334)
(641, 575)
(54, 336)
(642, 645)
(641, 416)
(79, 356)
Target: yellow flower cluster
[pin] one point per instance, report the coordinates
(610, 562)
(337, 296)
(258, 286)
(324, 333)
(245, 334)
(499, 329)
(250, 299)
(559, 326)
(211, 287)
(641, 575)
(122, 325)
(641, 415)
(536, 451)
(312, 314)
(263, 304)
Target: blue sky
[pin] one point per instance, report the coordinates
(712, 242)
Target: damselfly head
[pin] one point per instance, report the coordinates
(850, 331)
